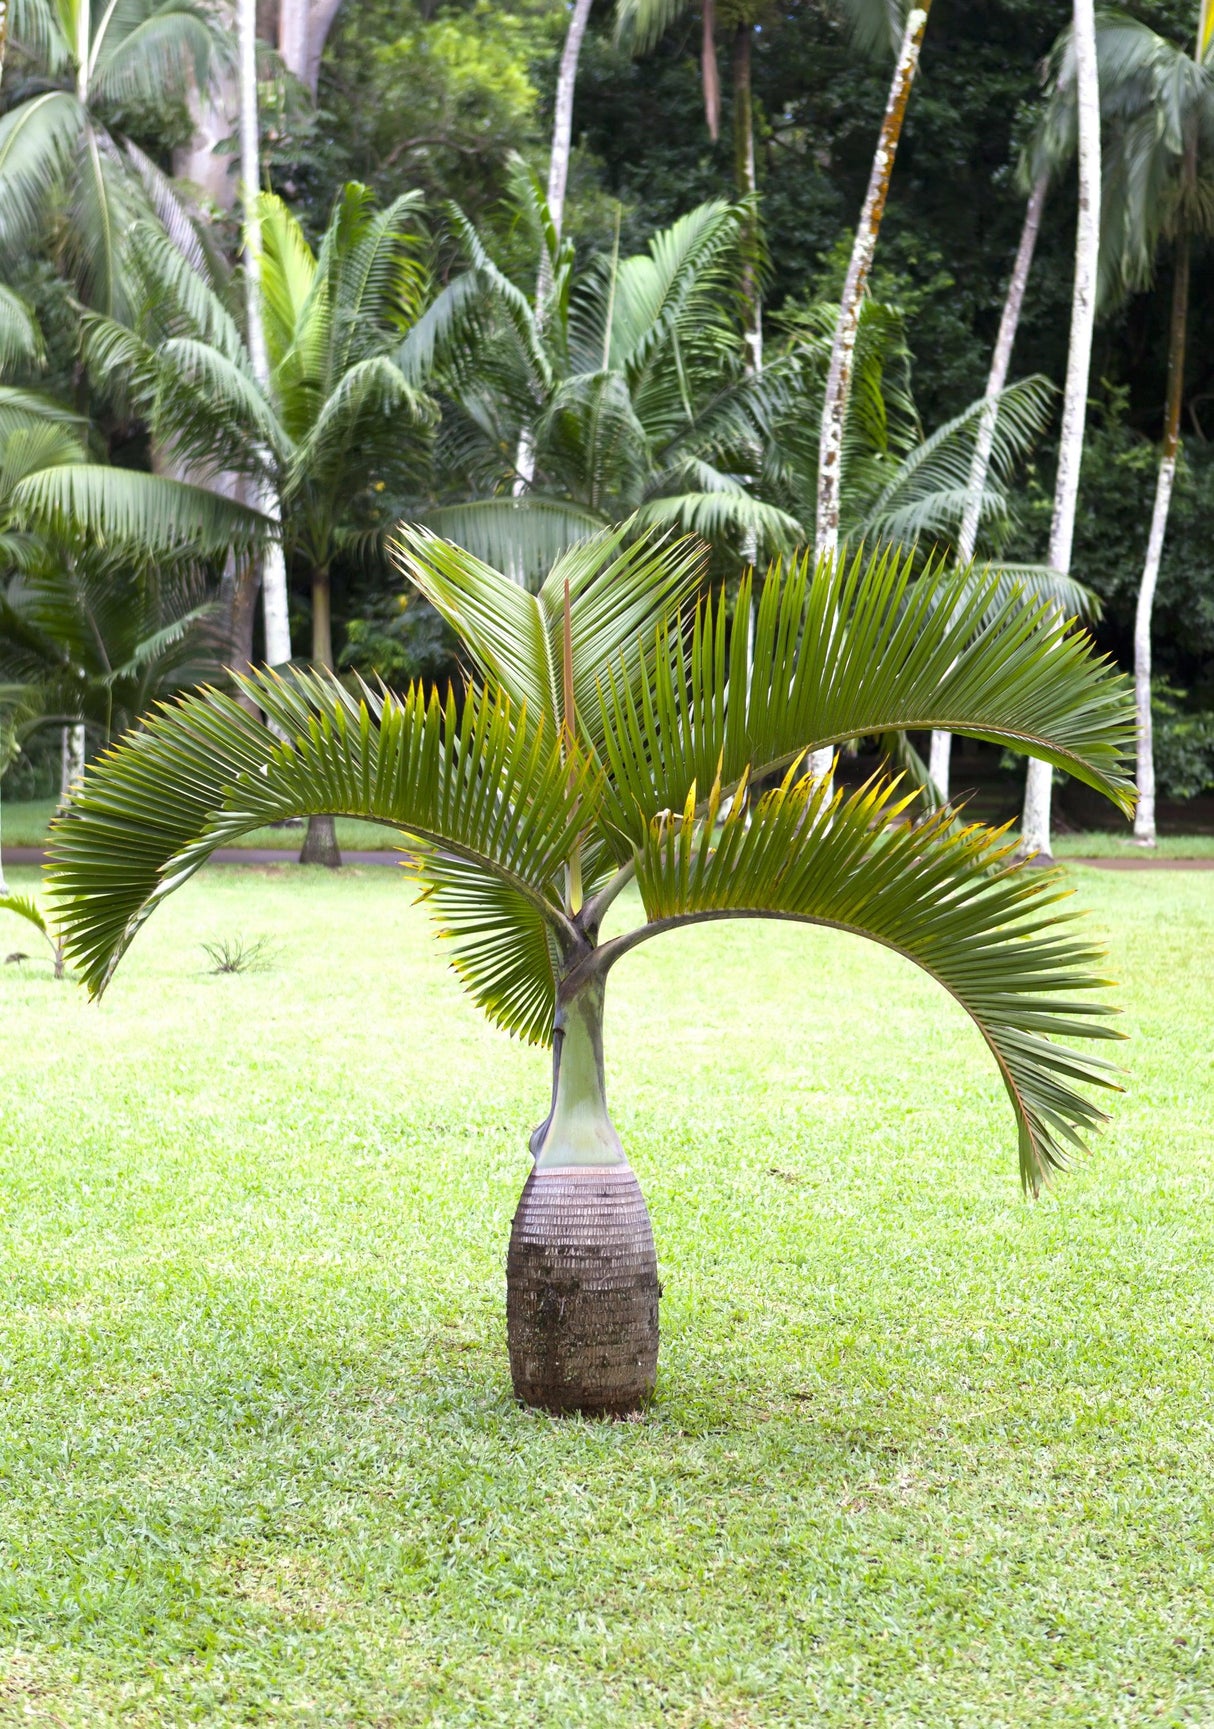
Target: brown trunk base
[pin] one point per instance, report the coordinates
(582, 1293)
(320, 843)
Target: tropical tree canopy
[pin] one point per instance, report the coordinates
(610, 738)
(69, 174)
(623, 394)
(335, 418)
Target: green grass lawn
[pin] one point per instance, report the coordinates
(922, 1453)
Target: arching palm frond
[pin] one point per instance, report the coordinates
(20, 337)
(853, 649)
(506, 809)
(143, 48)
(929, 490)
(621, 590)
(472, 785)
(948, 899)
(120, 506)
(525, 535)
(39, 139)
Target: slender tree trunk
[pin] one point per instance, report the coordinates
(1039, 780)
(293, 34)
(581, 1275)
(1144, 816)
(746, 182)
(746, 185)
(710, 79)
(320, 842)
(1001, 359)
(558, 181)
(838, 378)
(562, 136)
(71, 759)
(321, 15)
(273, 563)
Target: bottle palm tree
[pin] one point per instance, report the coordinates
(628, 388)
(610, 741)
(328, 422)
(1157, 99)
(67, 169)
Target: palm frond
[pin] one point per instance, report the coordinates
(20, 337)
(126, 508)
(38, 139)
(523, 535)
(929, 490)
(143, 53)
(473, 784)
(947, 898)
(619, 595)
(855, 648)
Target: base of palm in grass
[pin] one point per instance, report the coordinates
(616, 736)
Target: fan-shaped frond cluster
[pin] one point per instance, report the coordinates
(600, 744)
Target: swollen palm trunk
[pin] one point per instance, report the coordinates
(581, 1275)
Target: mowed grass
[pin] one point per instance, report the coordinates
(923, 1453)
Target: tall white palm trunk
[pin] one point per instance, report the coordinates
(1035, 822)
(72, 747)
(558, 183)
(276, 612)
(1001, 359)
(303, 27)
(843, 353)
(1144, 816)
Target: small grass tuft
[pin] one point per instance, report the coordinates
(235, 955)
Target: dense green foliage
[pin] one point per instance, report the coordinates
(452, 100)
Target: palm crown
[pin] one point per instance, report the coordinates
(79, 66)
(610, 738)
(625, 386)
(329, 420)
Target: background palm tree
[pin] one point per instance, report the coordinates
(68, 171)
(1038, 787)
(984, 445)
(1157, 102)
(329, 424)
(629, 389)
(607, 741)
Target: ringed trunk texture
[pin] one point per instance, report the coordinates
(581, 1273)
(1039, 781)
(1144, 815)
(320, 843)
(941, 750)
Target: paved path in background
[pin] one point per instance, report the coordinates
(25, 855)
